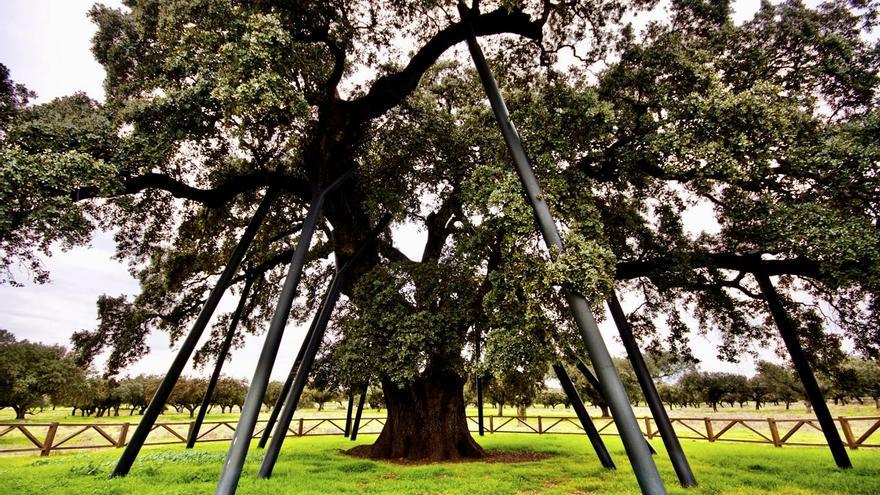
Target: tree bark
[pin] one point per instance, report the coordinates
(426, 421)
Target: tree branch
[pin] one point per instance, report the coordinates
(211, 198)
(389, 90)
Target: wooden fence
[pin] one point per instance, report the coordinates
(48, 437)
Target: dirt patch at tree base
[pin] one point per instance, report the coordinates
(492, 456)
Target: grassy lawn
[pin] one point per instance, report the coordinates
(315, 466)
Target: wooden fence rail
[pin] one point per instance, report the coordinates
(48, 437)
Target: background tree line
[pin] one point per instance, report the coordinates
(35, 376)
(853, 381)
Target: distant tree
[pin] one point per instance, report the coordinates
(30, 373)
(869, 379)
(759, 390)
(843, 382)
(740, 392)
(514, 388)
(783, 385)
(671, 395)
(137, 391)
(552, 398)
(188, 394)
(273, 391)
(318, 396)
(90, 395)
(231, 392)
(710, 388)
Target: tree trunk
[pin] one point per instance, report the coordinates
(877, 402)
(605, 412)
(19, 412)
(426, 421)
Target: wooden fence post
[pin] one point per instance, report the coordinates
(491, 425)
(774, 432)
(123, 435)
(540, 427)
(300, 429)
(50, 437)
(648, 427)
(847, 433)
(709, 434)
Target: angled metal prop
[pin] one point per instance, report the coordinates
(584, 417)
(253, 402)
(302, 374)
(789, 335)
(157, 403)
(667, 433)
(221, 358)
(348, 413)
(639, 455)
(285, 389)
(356, 426)
(478, 384)
(594, 383)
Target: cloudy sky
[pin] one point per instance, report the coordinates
(46, 45)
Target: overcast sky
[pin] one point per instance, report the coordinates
(46, 45)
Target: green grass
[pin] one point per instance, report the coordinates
(314, 465)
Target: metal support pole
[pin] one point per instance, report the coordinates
(480, 425)
(802, 365)
(288, 382)
(274, 448)
(157, 403)
(357, 418)
(348, 413)
(591, 379)
(584, 417)
(640, 457)
(478, 384)
(247, 421)
(667, 433)
(221, 358)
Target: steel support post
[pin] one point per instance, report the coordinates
(360, 411)
(802, 365)
(480, 425)
(302, 374)
(636, 448)
(221, 359)
(591, 379)
(348, 413)
(247, 421)
(478, 385)
(584, 417)
(667, 433)
(288, 382)
(157, 403)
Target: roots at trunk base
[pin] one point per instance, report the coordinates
(426, 421)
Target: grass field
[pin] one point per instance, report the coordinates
(315, 465)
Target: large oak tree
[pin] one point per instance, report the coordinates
(772, 123)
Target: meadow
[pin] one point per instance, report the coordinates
(317, 465)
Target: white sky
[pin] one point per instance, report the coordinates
(46, 45)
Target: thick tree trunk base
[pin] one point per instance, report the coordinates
(426, 422)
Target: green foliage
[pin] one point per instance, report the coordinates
(31, 373)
